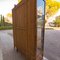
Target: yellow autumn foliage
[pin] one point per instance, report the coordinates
(19, 0)
(52, 6)
(9, 15)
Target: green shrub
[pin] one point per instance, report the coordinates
(6, 27)
(57, 21)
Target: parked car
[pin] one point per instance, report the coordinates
(51, 24)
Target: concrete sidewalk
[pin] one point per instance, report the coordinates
(7, 47)
(1, 57)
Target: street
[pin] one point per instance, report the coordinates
(52, 44)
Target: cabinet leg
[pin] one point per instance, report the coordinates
(15, 48)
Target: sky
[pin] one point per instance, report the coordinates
(58, 0)
(7, 5)
(40, 3)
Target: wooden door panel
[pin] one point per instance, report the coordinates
(21, 19)
(21, 40)
(32, 29)
(25, 28)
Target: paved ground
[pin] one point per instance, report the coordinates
(51, 46)
(8, 51)
(1, 58)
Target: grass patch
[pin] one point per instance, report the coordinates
(49, 28)
(6, 27)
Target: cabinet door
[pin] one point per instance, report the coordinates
(20, 26)
(25, 28)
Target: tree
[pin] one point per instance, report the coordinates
(19, 0)
(2, 22)
(52, 7)
(9, 14)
